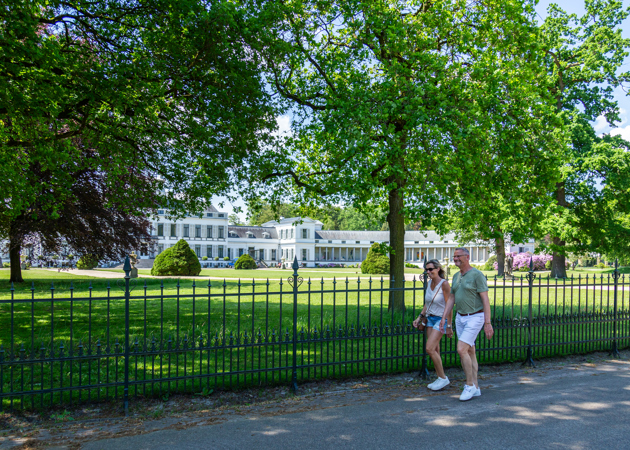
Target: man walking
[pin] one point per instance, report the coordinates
(469, 291)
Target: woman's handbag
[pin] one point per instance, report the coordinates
(422, 326)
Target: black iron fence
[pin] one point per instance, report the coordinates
(136, 339)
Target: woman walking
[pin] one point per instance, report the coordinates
(437, 292)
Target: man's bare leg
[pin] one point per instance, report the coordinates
(463, 350)
(474, 365)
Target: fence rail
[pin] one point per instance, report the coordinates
(220, 335)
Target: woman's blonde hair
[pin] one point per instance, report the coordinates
(437, 265)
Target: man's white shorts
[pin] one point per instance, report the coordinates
(468, 327)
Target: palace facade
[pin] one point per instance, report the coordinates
(280, 241)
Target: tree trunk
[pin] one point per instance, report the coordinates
(499, 246)
(396, 221)
(16, 269)
(558, 263)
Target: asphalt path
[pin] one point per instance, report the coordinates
(577, 408)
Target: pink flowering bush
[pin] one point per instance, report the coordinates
(521, 262)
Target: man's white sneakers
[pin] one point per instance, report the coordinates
(469, 392)
(439, 384)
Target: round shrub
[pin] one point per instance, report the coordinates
(216, 258)
(87, 262)
(204, 258)
(376, 262)
(489, 265)
(177, 260)
(245, 262)
(523, 269)
(226, 258)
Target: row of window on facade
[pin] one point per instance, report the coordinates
(289, 233)
(186, 229)
(220, 251)
(162, 212)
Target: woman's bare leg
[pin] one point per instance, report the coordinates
(433, 350)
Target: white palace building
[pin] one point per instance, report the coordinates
(274, 242)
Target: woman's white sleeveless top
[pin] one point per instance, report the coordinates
(439, 303)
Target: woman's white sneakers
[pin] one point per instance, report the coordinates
(469, 392)
(439, 384)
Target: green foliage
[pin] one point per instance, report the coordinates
(6, 264)
(216, 258)
(376, 261)
(176, 260)
(226, 258)
(489, 265)
(87, 262)
(204, 258)
(584, 59)
(548, 265)
(371, 130)
(523, 269)
(332, 217)
(245, 262)
(234, 219)
(101, 75)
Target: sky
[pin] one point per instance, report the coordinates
(601, 126)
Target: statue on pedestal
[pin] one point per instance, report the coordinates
(133, 260)
(508, 266)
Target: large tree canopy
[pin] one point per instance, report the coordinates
(164, 87)
(88, 219)
(583, 59)
(408, 105)
(165, 90)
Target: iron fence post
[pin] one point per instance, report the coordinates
(127, 269)
(615, 351)
(530, 278)
(295, 282)
(424, 370)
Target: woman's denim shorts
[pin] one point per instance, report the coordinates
(434, 322)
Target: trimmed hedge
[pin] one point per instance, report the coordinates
(245, 262)
(376, 262)
(177, 260)
(87, 262)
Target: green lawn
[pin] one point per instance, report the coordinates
(247, 324)
(275, 274)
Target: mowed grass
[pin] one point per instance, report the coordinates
(73, 308)
(274, 274)
(228, 333)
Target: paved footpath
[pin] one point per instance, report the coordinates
(578, 408)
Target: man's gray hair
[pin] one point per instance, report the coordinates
(462, 249)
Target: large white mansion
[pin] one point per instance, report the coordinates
(210, 236)
(274, 242)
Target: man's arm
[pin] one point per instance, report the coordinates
(448, 310)
(487, 326)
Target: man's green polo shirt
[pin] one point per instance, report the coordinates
(466, 290)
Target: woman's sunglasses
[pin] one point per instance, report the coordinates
(430, 269)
